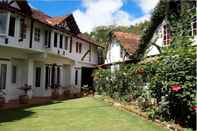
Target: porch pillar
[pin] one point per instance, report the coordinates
(30, 69)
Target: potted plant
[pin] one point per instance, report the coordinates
(66, 92)
(55, 92)
(24, 99)
(2, 97)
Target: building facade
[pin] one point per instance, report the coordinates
(41, 51)
(121, 47)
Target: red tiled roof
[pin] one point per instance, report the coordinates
(52, 21)
(129, 41)
(40, 16)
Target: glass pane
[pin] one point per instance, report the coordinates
(3, 76)
(3, 22)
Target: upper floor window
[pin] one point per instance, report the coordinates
(23, 28)
(37, 34)
(166, 35)
(90, 52)
(78, 47)
(55, 39)
(121, 52)
(194, 25)
(47, 39)
(12, 26)
(61, 41)
(71, 43)
(3, 22)
(66, 43)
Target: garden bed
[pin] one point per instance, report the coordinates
(132, 107)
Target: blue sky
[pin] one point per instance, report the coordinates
(63, 7)
(92, 13)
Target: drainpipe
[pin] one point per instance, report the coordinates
(31, 33)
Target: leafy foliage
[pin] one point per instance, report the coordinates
(165, 87)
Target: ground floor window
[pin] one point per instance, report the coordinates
(38, 76)
(47, 77)
(14, 73)
(76, 77)
(3, 74)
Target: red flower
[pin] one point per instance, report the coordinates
(176, 87)
(194, 108)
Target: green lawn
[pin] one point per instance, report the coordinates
(84, 114)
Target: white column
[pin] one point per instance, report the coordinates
(30, 72)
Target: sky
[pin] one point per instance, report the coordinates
(92, 13)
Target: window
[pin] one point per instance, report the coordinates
(47, 77)
(166, 35)
(90, 52)
(77, 46)
(3, 73)
(38, 76)
(47, 39)
(55, 39)
(58, 75)
(194, 25)
(76, 77)
(12, 26)
(66, 43)
(80, 47)
(23, 28)
(71, 44)
(61, 41)
(121, 52)
(14, 73)
(37, 35)
(3, 22)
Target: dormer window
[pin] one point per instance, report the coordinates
(3, 22)
(166, 34)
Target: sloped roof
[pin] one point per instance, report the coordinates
(53, 21)
(40, 16)
(56, 20)
(129, 41)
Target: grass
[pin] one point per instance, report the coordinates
(84, 114)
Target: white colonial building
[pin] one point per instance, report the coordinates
(41, 51)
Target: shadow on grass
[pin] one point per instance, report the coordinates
(10, 115)
(13, 115)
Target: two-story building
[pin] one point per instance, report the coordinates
(41, 51)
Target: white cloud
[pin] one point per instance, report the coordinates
(109, 12)
(147, 5)
(141, 19)
(101, 12)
